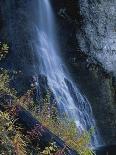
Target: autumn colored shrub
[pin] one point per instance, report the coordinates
(3, 50)
(65, 129)
(12, 139)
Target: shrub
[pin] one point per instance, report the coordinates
(3, 50)
(62, 127)
(12, 140)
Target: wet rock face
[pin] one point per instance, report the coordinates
(87, 45)
(97, 38)
(98, 33)
(17, 28)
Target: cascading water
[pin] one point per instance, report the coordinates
(71, 101)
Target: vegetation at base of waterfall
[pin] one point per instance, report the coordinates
(60, 126)
(12, 138)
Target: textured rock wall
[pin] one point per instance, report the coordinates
(98, 33)
(17, 28)
(97, 38)
(85, 35)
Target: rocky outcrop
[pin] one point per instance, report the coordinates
(17, 28)
(97, 38)
(86, 34)
(98, 33)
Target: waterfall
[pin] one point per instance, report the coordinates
(68, 97)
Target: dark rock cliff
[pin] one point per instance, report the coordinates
(17, 28)
(95, 76)
(77, 23)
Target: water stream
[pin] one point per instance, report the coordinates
(68, 97)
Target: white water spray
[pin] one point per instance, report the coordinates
(67, 95)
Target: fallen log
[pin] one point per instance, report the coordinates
(30, 125)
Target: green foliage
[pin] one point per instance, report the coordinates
(50, 150)
(4, 84)
(26, 100)
(10, 138)
(12, 141)
(3, 50)
(19, 144)
(63, 128)
(6, 125)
